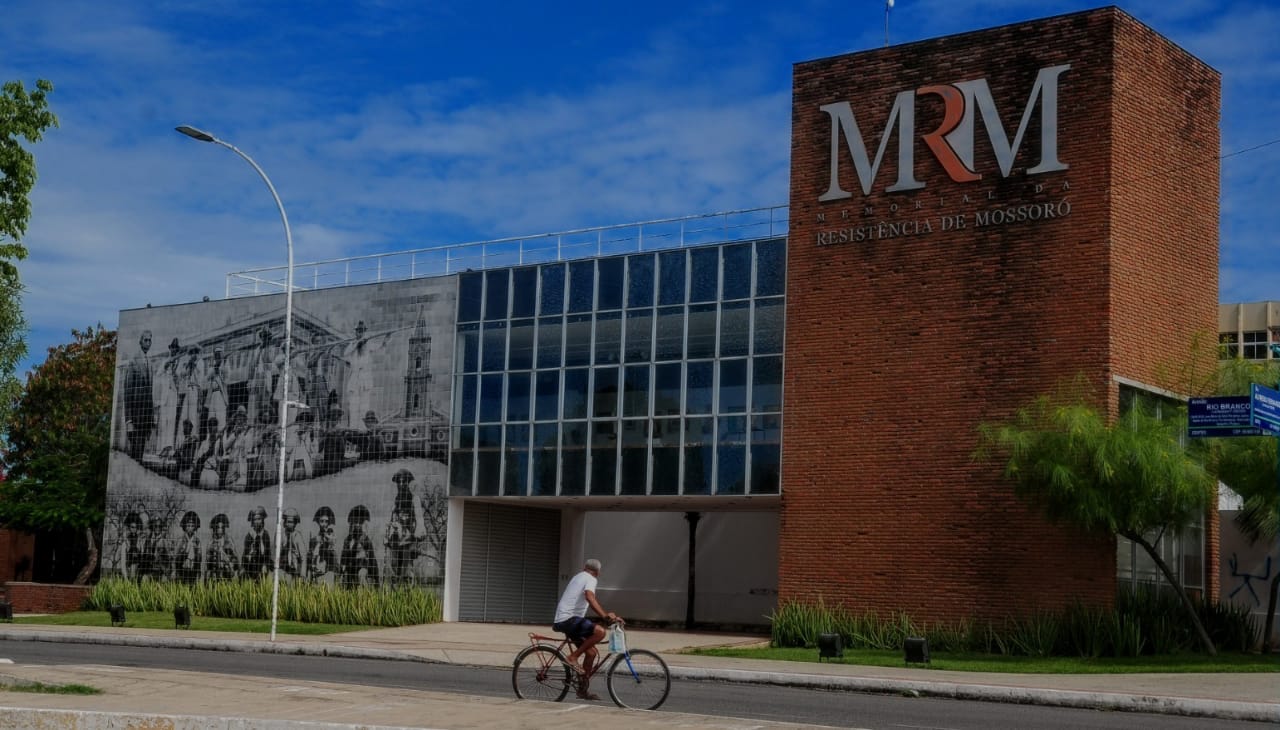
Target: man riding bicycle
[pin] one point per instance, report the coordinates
(571, 620)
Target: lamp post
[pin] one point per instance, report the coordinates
(202, 136)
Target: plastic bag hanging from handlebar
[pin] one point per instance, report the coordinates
(617, 640)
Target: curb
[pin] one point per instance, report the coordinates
(90, 720)
(1186, 707)
(1163, 705)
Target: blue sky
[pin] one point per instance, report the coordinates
(389, 125)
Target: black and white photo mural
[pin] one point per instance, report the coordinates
(195, 463)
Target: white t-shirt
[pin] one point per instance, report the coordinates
(574, 600)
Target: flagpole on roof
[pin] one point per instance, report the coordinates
(888, 5)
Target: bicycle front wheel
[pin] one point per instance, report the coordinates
(539, 673)
(639, 680)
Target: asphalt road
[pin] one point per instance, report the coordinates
(834, 709)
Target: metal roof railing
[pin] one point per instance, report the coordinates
(699, 230)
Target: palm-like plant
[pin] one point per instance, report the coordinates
(1134, 477)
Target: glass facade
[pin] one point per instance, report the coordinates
(649, 373)
(1183, 548)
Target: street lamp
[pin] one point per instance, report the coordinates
(197, 134)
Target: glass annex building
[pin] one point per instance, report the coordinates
(647, 374)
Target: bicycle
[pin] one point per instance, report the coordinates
(637, 679)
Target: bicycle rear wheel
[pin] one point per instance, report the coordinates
(639, 679)
(539, 673)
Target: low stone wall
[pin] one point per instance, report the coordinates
(44, 597)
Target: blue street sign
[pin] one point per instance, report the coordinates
(1221, 416)
(1265, 405)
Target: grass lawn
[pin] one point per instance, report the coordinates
(50, 689)
(1018, 664)
(164, 620)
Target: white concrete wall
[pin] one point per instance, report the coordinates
(1246, 570)
(645, 557)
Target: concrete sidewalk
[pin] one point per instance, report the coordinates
(196, 698)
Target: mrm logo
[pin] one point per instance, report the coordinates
(952, 141)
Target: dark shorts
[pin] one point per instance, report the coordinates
(576, 628)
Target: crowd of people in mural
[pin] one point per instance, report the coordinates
(213, 424)
(147, 548)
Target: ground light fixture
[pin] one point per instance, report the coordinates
(6, 611)
(181, 617)
(117, 614)
(915, 650)
(203, 136)
(830, 646)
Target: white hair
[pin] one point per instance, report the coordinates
(593, 564)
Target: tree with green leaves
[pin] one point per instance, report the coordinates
(59, 443)
(1249, 466)
(1134, 477)
(24, 115)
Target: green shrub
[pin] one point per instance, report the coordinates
(251, 599)
(1230, 625)
(1085, 630)
(1146, 620)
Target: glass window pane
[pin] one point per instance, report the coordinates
(462, 461)
(735, 329)
(698, 387)
(737, 271)
(488, 459)
(493, 350)
(524, 292)
(573, 458)
(771, 268)
(468, 354)
(515, 464)
(702, 331)
(699, 454)
(610, 284)
(470, 296)
(671, 276)
(518, 396)
(577, 340)
(552, 299)
(666, 456)
(731, 456)
(604, 457)
(669, 339)
(582, 280)
(668, 380)
(639, 341)
(547, 396)
(466, 400)
(491, 398)
(766, 454)
(608, 338)
(576, 389)
(635, 391)
(550, 343)
(635, 456)
(766, 384)
(640, 280)
(733, 386)
(546, 439)
(495, 294)
(520, 354)
(704, 274)
(605, 395)
(768, 326)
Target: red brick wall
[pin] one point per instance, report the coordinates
(1164, 230)
(45, 597)
(14, 546)
(898, 346)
